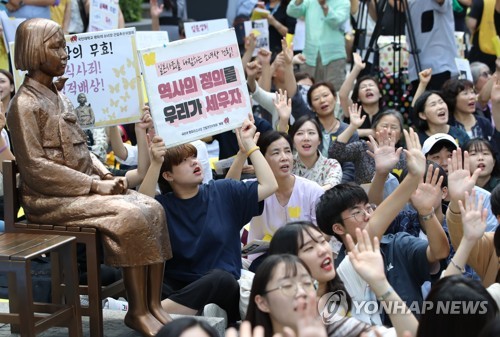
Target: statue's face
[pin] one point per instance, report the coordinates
(81, 98)
(55, 55)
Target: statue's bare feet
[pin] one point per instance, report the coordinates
(146, 324)
(160, 314)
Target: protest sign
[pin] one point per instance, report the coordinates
(103, 15)
(198, 28)
(103, 67)
(463, 67)
(260, 29)
(151, 39)
(9, 26)
(196, 87)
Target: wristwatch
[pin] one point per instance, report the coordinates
(427, 217)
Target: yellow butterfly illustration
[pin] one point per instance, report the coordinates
(130, 63)
(127, 84)
(105, 110)
(149, 59)
(398, 172)
(114, 88)
(114, 103)
(123, 108)
(119, 71)
(112, 116)
(125, 97)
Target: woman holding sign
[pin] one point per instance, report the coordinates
(64, 184)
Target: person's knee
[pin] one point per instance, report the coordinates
(225, 280)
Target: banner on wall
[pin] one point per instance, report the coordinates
(196, 87)
(103, 77)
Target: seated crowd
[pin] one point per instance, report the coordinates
(354, 204)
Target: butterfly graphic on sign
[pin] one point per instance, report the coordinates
(114, 88)
(119, 71)
(114, 103)
(129, 84)
(125, 97)
(149, 59)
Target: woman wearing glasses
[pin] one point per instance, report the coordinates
(283, 287)
(387, 128)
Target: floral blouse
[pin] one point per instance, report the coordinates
(325, 170)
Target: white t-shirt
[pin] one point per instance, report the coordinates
(301, 206)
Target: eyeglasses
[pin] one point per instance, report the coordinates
(290, 289)
(361, 214)
(485, 73)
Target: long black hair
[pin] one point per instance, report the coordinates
(289, 239)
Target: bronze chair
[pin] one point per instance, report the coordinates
(17, 250)
(84, 235)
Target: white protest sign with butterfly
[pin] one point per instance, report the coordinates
(104, 78)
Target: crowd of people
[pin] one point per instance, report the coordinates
(359, 205)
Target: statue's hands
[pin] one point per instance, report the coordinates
(123, 182)
(108, 187)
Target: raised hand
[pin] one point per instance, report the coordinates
(459, 178)
(246, 331)
(154, 9)
(264, 56)
(250, 42)
(358, 61)
(246, 134)
(428, 193)
(366, 257)
(309, 323)
(384, 151)
(146, 121)
(355, 118)
(278, 61)
(415, 159)
(287, 51)
(299, 59)
(283, 105)
(473, 216)
(252, 69)
(157, 149)
(495, 89)
(425, 76)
